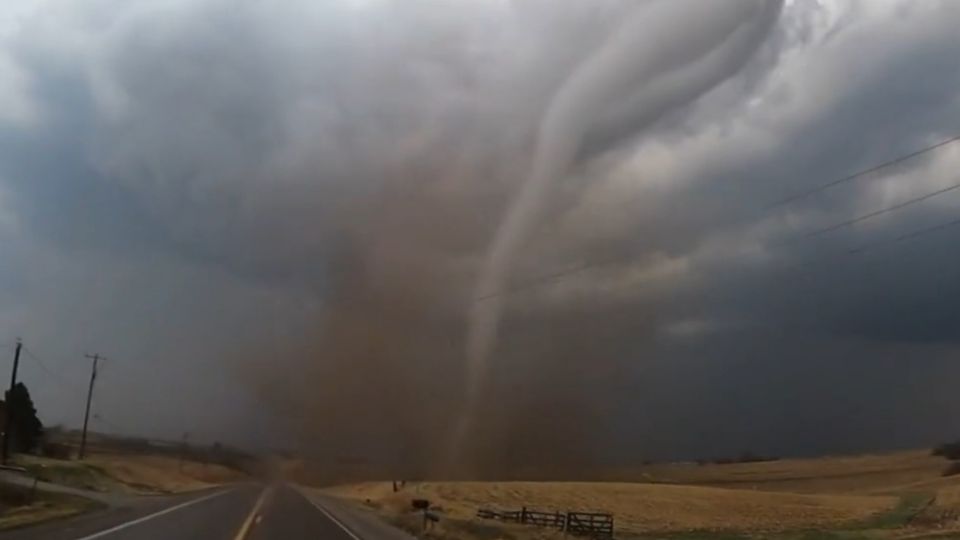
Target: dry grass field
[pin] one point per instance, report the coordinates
(163, 473)
(864, 474)
(896, 495)
(644, 507)
(132, 473)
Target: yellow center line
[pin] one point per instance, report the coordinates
(247, 523)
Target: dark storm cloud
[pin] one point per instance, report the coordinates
(699, 198)
(302, 192)
(895, 290)
(722, 178)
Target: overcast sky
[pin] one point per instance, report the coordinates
(260, 210)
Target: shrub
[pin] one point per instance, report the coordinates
(744, 457)
(952, 470)
(56, 450)
(949, 450)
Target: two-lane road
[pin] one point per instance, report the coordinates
(244, 512)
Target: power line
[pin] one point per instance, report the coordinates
(905, 237)
(540, 280)
(806, 193)
(861, 275)
(60, 379)
(125, 371)
(40, 363)
(873, 214)
(65, 383)
(536, 282)
(555, 276)
(912, 235)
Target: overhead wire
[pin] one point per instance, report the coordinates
(877, 213)
(912, 235)
(864, 172)
(64, 382)
(561, 274)
(60, 379)
(873, 246)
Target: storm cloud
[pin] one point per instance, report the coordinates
(272, 216)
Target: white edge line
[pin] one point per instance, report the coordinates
(153, 515)
(325, 512)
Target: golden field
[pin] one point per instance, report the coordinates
(872, 473)
(892, 495)
(642, 507)
(163, 473)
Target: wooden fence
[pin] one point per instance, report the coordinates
(543, 519)
(590, 524)
(593, 524)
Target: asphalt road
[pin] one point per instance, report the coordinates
(245, 512)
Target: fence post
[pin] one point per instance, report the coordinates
(523, 514)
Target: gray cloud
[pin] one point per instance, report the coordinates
(280, 211)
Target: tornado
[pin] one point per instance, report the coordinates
(664, 55)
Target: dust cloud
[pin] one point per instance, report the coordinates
(644, 69)
(288, 211)
(412, 373)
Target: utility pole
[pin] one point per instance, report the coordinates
(86, 415)
(8, 422)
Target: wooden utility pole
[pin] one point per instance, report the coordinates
(8, 422)
(86, 415)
